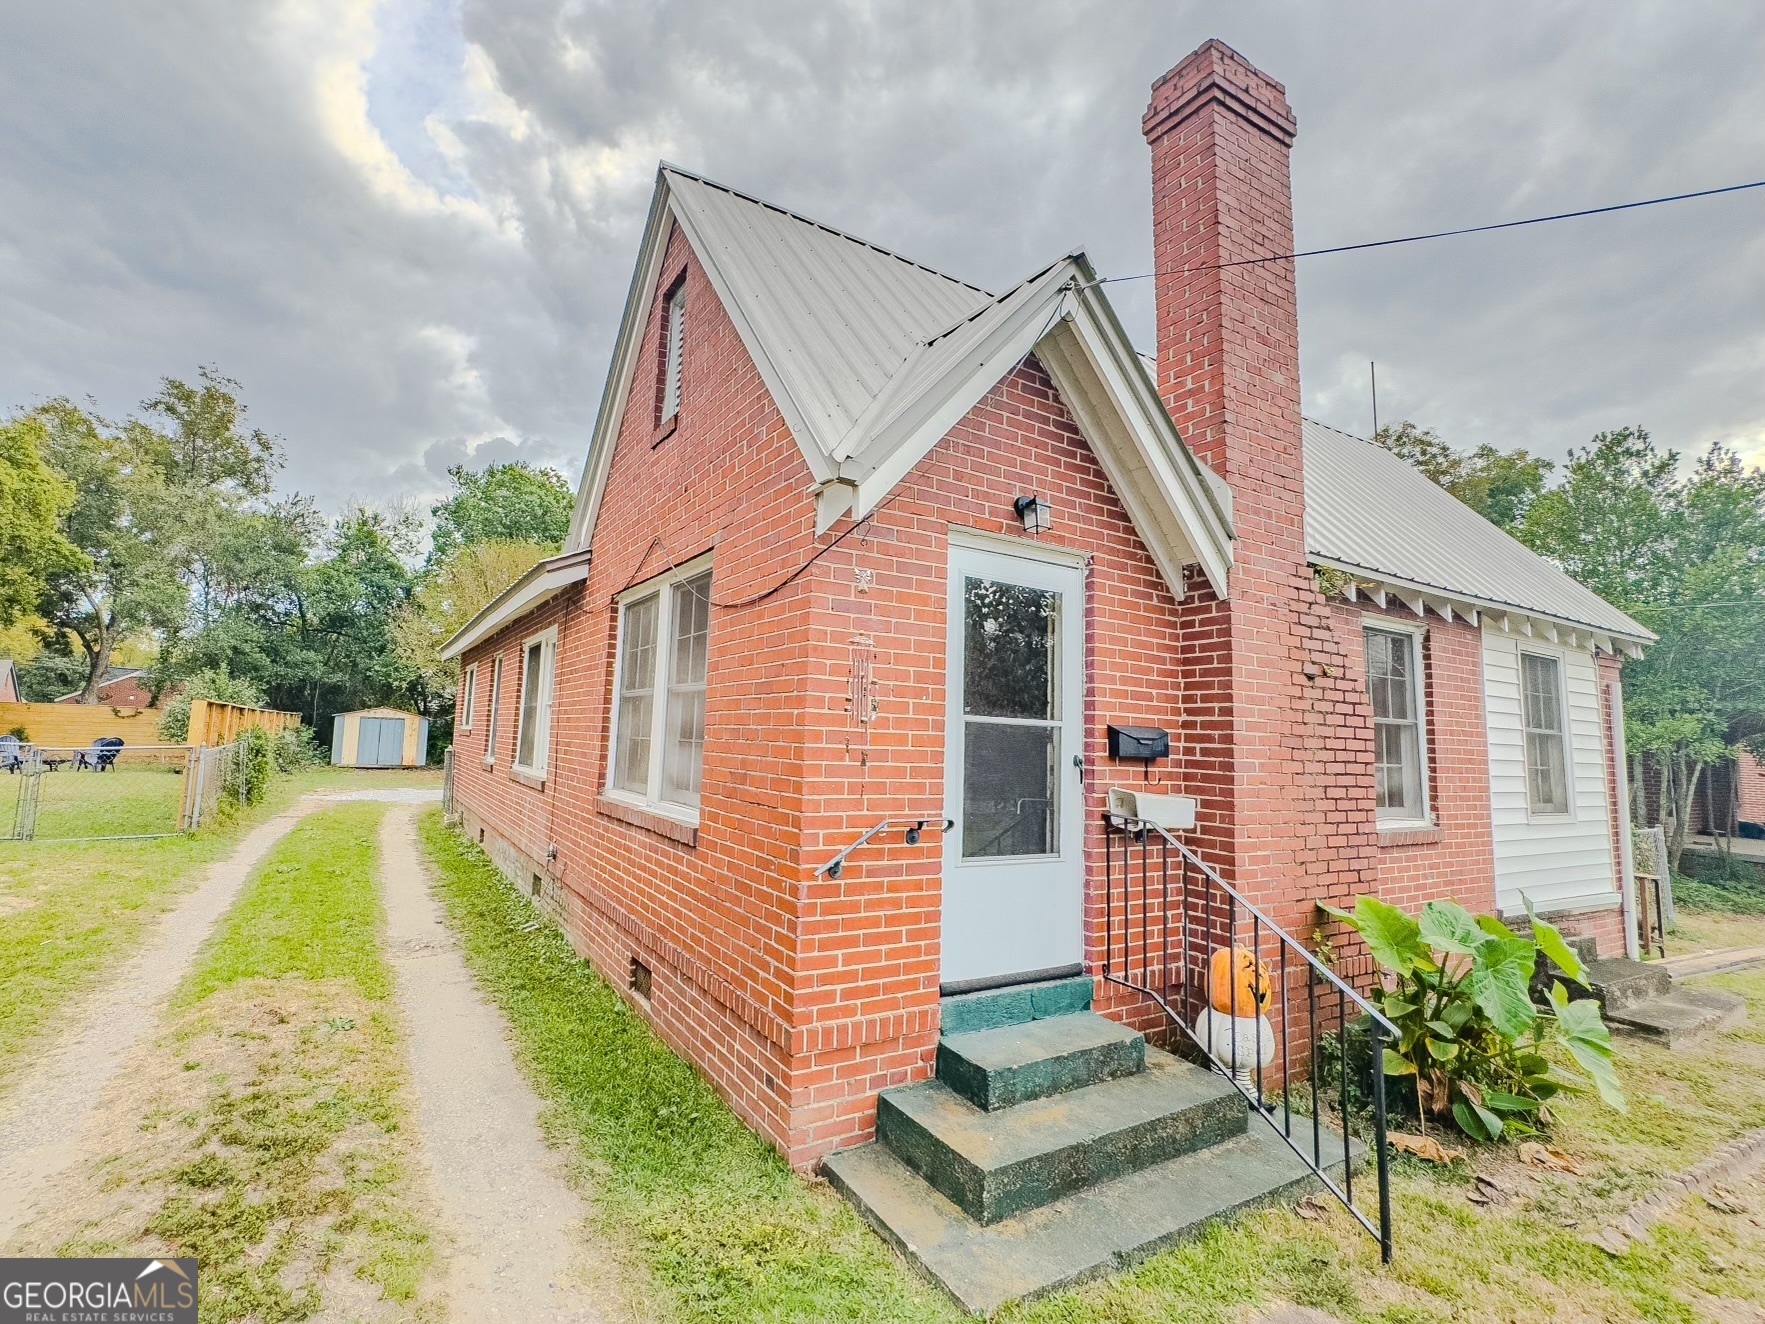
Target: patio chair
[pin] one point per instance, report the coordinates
(10, 757)
(104, 752)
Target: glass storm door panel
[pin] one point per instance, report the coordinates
(1013, 862)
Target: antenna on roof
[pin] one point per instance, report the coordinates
(1373, 372)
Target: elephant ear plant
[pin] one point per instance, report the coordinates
(1458, 990)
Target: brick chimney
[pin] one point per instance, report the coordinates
(1269, 680)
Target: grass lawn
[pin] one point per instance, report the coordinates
(724, 1231)
(69, 910)
(267, 1132)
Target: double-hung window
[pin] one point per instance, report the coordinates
(533, 732)
(468, 697)
(1400, 741)
(658, 746)
(1547, 755)
(493, 720)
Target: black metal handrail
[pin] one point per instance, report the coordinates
(915, 826)
(1161, 932)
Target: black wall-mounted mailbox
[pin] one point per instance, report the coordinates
(1139, 742)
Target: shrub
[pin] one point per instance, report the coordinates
(174, 722)
(1457, 988)
(293, 749)
(247, 775)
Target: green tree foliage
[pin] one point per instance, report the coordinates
(1469, 1037)
(503, 503)
(34, 499)
(124, 523)
(449, 594)
(1499, 485)
(1683, 551)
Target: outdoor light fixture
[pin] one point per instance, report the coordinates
(1037, 515)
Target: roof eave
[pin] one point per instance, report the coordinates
(509, 606)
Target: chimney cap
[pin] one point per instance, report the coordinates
(1212, 72)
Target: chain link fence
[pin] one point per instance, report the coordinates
(105, 792)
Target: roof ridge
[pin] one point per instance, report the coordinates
(668, 167)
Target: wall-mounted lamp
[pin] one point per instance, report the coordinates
(1037, 515)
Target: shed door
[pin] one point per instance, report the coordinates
(381, 742)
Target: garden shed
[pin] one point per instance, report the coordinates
(380, 738)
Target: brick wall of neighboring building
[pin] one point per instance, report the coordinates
(1752, 789)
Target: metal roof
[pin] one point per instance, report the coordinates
(1368, 510)
(837, 316)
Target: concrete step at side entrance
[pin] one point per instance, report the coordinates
(1684, 1016)
(995, 1164)
(1082, 1236)
(1016, 1004)
(1014, 1064)
(1620, 983)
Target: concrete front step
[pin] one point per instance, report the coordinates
(1016, 1004)
(1014, 1064)
(1082, 1236)
(1620, 983)
(996, 1164)
(1682, 1017)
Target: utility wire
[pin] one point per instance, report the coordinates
(1439, 234)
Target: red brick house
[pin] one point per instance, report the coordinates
(125, 687)
(858, 541)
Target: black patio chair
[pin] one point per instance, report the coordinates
(11, 759)
(104, 752)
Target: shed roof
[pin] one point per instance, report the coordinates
(1367, 510)
(381, 712)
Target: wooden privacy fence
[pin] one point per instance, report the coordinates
(214, 723)
(73, 724)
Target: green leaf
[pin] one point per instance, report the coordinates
(1500, 980)
(1510, 1103)
(1396, 1008)
(1448, 927)
(1442, 1029)
(1442, 1052)
(1397, 1065)
(1393, 938)
(1471, 1122)
(1589, 1042)
(1551, 943)
(1456, 1014)
(1494, 927)
(1531, 1064)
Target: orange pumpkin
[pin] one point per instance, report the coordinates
(1238, 983)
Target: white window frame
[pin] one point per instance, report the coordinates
(547, 643)
(1390, 820)
(1565, 733)
(651, 800)
(493, 720)
(673, 350)
(468, 693)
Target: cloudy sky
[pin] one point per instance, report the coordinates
(407, 226)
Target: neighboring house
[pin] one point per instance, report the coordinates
(124, 687)
(800, 596)
(8, 681)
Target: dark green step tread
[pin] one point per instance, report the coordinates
(995, 1164)
(1015, 1004)
(1083, 1236)
(1013, 1064)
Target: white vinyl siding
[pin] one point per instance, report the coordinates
(1562, 861)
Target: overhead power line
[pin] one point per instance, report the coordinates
(1441, 234)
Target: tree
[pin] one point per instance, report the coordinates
(504, 503)
(451, 593)
(34, 499)
(1499, 485)
(1685, 555)
(123, 523)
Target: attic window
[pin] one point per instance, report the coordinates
(674, 333)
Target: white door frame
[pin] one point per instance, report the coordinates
(1020, 915)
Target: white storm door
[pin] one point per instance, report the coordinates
(1014, 861)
